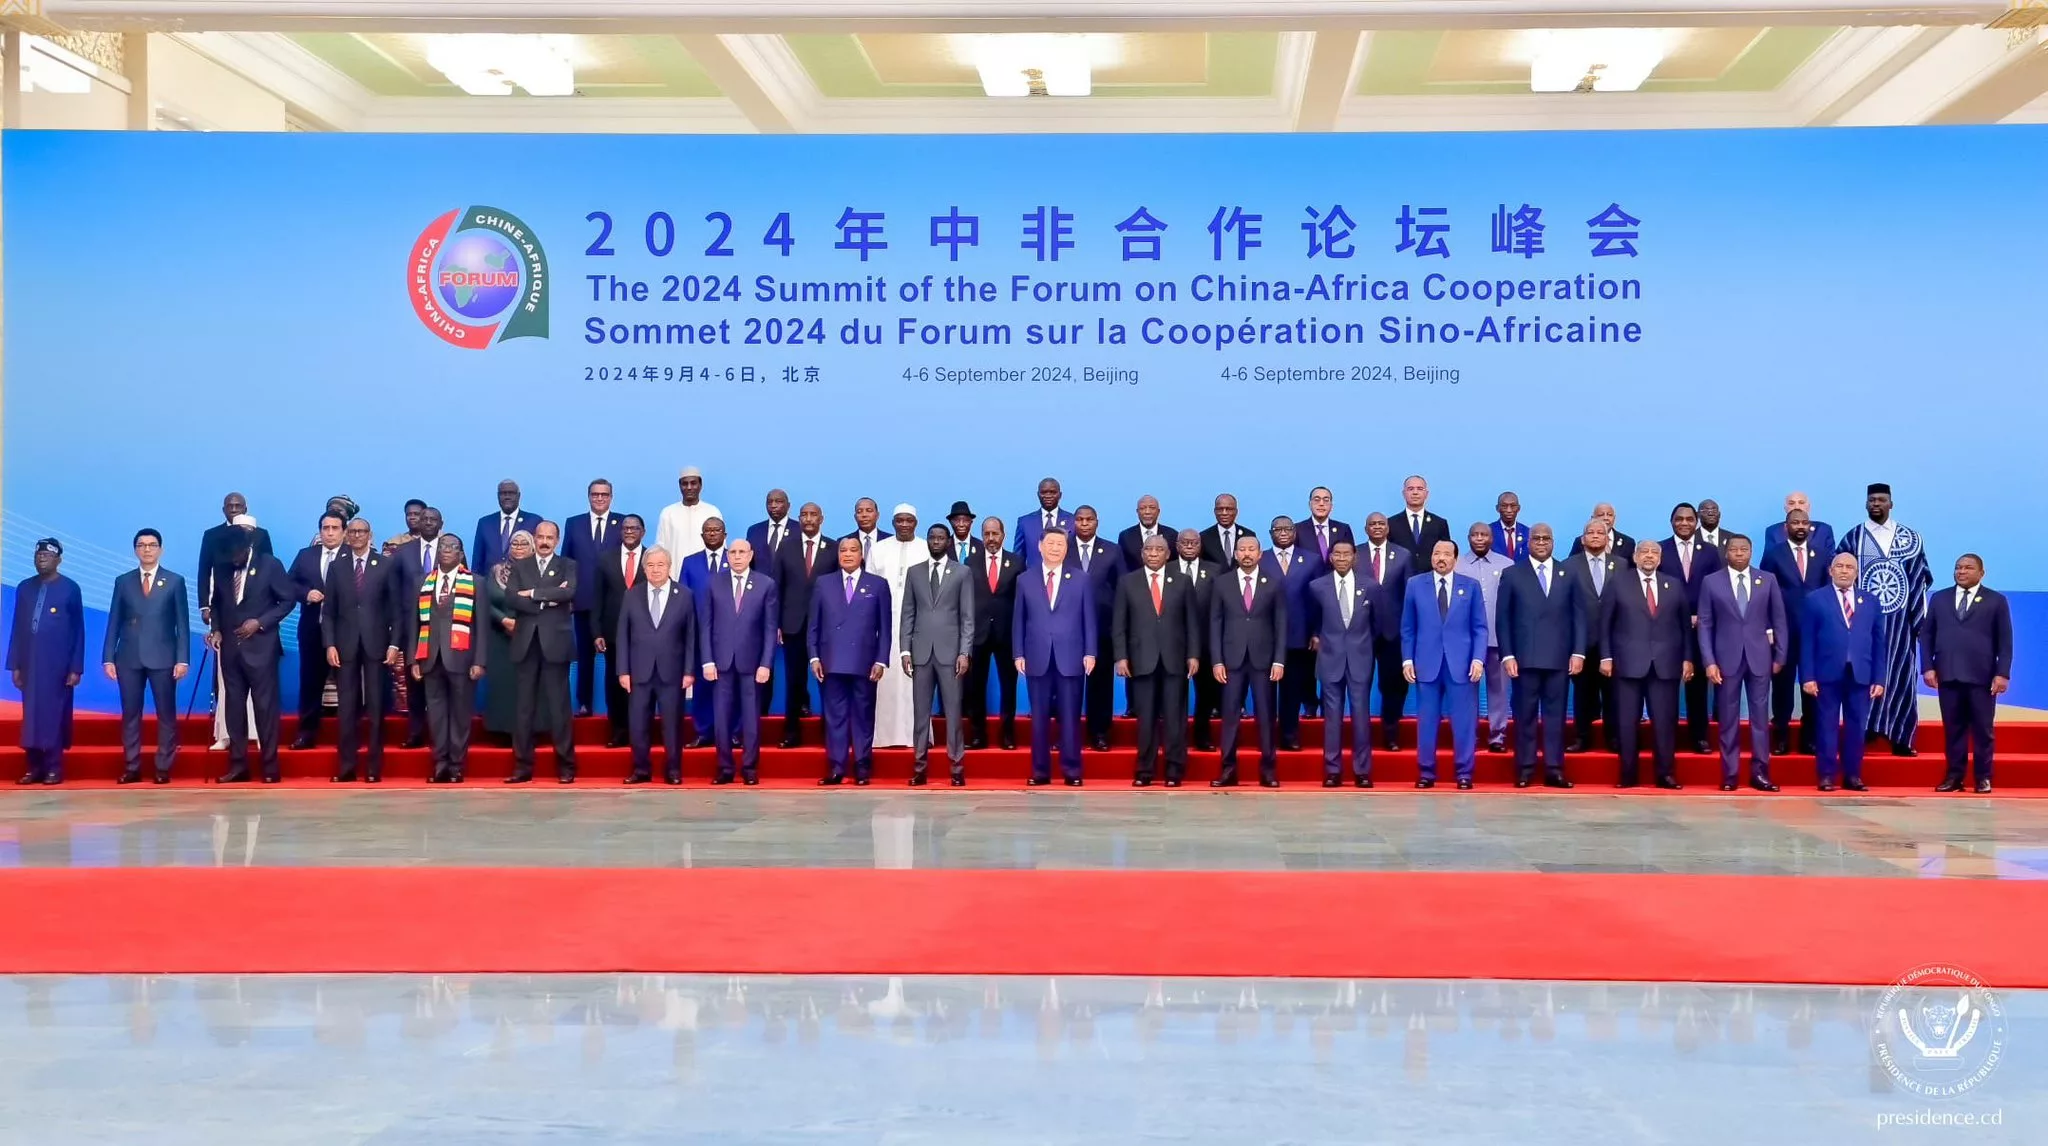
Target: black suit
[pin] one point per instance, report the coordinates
(1619, 544)
(610, 575)
(361, 626)
(306, 578)
(1650, 650)
(1130, 545)
(1540, 631)
(1965, 650)
(1104, 568)
(1215, 552)
(1395, 568)
(1248, 643)
(793, 587)
(1155, 646)
(413, 573)
(216, 548)
(1706, 562)
(249, 666)
(993, 616)
(543, 645)
(1419, 545)
(1593, 694)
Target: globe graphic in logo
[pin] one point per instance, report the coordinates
(478, 275)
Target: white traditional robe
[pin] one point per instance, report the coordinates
(892, 559)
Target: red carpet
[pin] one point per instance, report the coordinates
(2022, 761)
(782, 921)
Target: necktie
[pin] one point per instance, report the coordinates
(241, 582)
(1377, 575)
(1443, 597)
(1283, 555)
(447, 583)
(935, 579)
(1848, 609)
(1599, 568)
(716, 564)
(1158, 607)
(1650, 595)
(632, 566)
(505, 533)
(660, 600)
(1799, 558)
(359, 577)
(1543, 574)
(326, 559)
(1685, 560)
(1344, 599)
(426, 554)
(864, 541)
(1323, 540)
(1247, 592)
(1963, 603)
(739, 592)
(1415, 526)
(148, 579)
(849, 588)
(1050, 520)
(963, 553)
(597, 528)
(1050, 578)
(774, 536)
(995, 568)
(810, 553)
(1742, 594)
(1087, 552)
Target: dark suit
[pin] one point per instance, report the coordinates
(656, 657)
(1745, 643)
(1843, 652)
(1592, 693)
(1965, 649)
(1649, 652)
(1511, 543)
(362, 626)
(1219, 552)
(1392, 578)
(307, 577)
(768, 563)
(580, 546)
(1401, 532)
(1620, 546)
(1030, 530)
(1155, 645)
(1821, 540)
(1344, 667)
(737, 637)
(416, 561)
(849, 636)
(993, 610)
(1318, 540)
(216, 548)
(696, 572)
(1706, 562)
(1779, 562)
(1298, 687)
(1130, 544)
(543, 644)
(1104, 568)
(1053, 635)
(1248, 641)
(444, 668)
(1541, 630)
(249, 666)
(1208, 701)
(793, 579)
(494, 542)
(148, 636)
(608, 605)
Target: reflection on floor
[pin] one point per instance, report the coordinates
(1927, 837)
(713, 1059)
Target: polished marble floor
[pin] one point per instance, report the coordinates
(1922, 837)
(646, 1059)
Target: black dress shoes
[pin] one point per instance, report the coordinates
(131, 776)
(675, 779)
(1578, 746)
(959, 780)
(860, 781)
(1464, 785)
(1038, 781)
(1762, 785)
(1173, 783)
(1824, 786)
(1670, 784)
(1364, 782)
(1425, 783)
(1073, 781)
(831, 781)
(1781, 746)
(792, 742)
(1951, 784)
(1101, 744)
(1904, 750)
(519, 778)
(566, 776)
(1497, 744)
(1625, 784)
(1290, 744)
(1223, 782)
(342, 778)
(917, 780)
(1726, 785)
(1009, 742)
(305, 743)
(1268, 782)
(721, 779)
(374, 778)
(438, 778)
(1141, 782)
(419, 741)
(1522, 781)
(1983, 787)
(224, 778)
(976, 743)
(1332, 782)
(268, 778)
(1699, 747)
(1556, 782)
(703, 741)
(1854, 786)
(617, 741)
(643, 778)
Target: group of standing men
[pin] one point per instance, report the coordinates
(887, 622)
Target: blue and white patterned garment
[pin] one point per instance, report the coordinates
(1898, 579)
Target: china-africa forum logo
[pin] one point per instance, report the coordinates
(478, 277)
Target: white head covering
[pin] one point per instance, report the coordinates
(690, 472)
(244, 520)
(903, 507)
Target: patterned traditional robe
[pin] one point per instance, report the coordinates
(1899, 579)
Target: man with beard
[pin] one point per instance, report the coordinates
(1892, 567)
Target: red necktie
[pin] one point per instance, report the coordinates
(1048, 586)
(1848, 610)
(1650, 595)
(995, 565)
(1376, 565)
(809, 553)
(1799, 555)
(632, 566)
(147, 581)
(1157, 607)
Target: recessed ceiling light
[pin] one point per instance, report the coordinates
(1596, 59)
(1028, 64)
(492, 63)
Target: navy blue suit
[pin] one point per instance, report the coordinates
(1031, 529)
(656, 658)
(1843, 656)
(1442, 643)
(1105, 568)
(1343, 667)
(848, 637)
(494, 543)
(1514, 544)
(1051, 637)
(1386, 647)
(249, 667)
(579, 546)
(697, 571)
(738, 638)
(1822, 539)
(1746, 646)
(148, 636)
(1298, 687)
(1247, 640)
(1540, 628)
(1706, 560)
(768, 562)
(307, 577)
(1967, 649)
(1779, 561)
(1319, 539)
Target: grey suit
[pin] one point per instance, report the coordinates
(938, 628)
(444, 670)
(148, 636)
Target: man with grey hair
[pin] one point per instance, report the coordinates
(656, 645)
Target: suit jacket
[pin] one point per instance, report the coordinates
(1515, 546)
(1735, 642)
(1217, 553)
(1620, 546)
(742, 639)
(1203, 581)
(766, 561)
(1155, 642)
(1105, 567)
(306, 577)
(578, 546)
(1031, 529)
(1052, 636)
(1394, 572)
(363, 625)
(150, 632)
(696, 572)
(937, 627)
(994, 608)
(1443, 643)
(1822, 540)
(1248, 639)
(609, 574)
(1579, 569)
(850, 637)
(1641, 645)
(414, 570)
(976, 551)
(1706, 562)
(488, 551)
(652, 654)
(440, 647)
(1540, 630)
(543, 617)
(267, 598)
(1305, 537)
(1831, 649)
(1777, 561)
(1967, 649)
(1344, 652)
(1303, 567)
(793, 581)
(1434, 529)
(1130, 545)
(215, 550)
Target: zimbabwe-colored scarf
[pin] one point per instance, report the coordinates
(463, 602)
